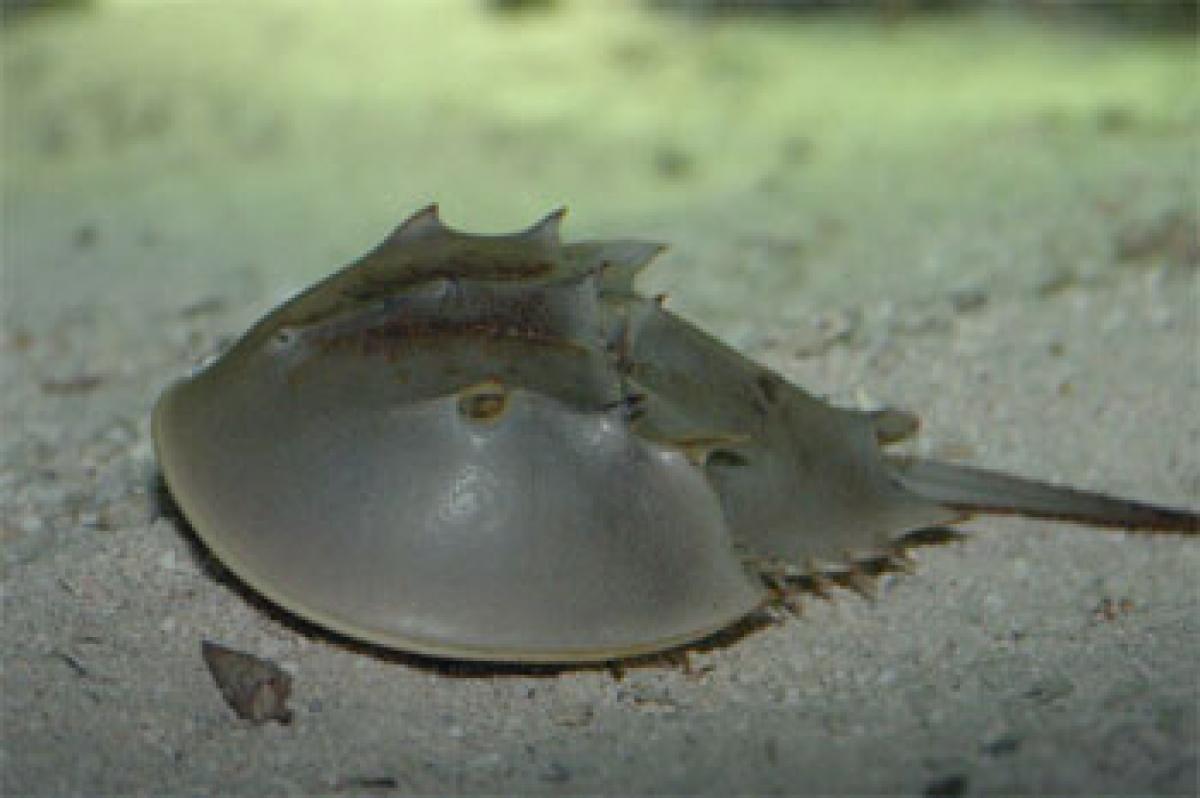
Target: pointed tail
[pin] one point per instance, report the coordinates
(979, 490)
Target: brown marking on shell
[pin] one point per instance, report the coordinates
(400, 334)
(422, 250)
(483, 402)
(474, 266)
(543, 315)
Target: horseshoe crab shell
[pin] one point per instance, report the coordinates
(491, 447)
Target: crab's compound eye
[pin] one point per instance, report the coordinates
(483, 403)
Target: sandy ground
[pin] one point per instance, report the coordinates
(1005, 244)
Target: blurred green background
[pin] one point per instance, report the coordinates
(796, 154)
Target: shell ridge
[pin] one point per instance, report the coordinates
(617, 261)
(425, 223)
(547, 230)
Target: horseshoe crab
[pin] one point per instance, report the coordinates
(493, 448)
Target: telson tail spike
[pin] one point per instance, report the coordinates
(973, 489)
